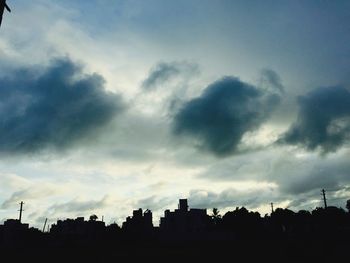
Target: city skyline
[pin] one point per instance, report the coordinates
(188, 233)
(181, 206)
(141, 219)
(132, 103)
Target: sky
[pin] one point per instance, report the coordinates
(112, 105)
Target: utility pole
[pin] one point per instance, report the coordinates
(324, 198)
(44, 225)
(20, 211)
(272, 208)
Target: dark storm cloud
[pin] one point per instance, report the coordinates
(270, 79)
(227, 109)
(323, 120)
(164, 72)
(52, 109)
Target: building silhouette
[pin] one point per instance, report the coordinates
(15, 234)
(77, 226)
(184, 220)
(139, 221)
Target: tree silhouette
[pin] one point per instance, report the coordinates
(348, 205)
(216, 213)
(215, 216)
(93, 217)
(3, 6)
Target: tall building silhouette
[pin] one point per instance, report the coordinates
(139, 221)
(184, 219)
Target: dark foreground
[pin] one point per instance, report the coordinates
(186, 235)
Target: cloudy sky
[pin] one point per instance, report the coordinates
(111, 105)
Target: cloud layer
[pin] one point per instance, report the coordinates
(164, 72)
(227, 109)
(80, 206)
(52, 109)
(323, 120)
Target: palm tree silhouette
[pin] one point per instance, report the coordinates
(3, 5)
